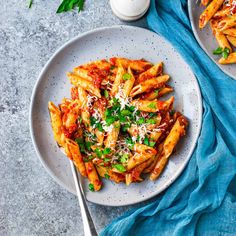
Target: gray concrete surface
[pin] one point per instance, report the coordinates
(31, 203)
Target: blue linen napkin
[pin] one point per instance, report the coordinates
(202, 201)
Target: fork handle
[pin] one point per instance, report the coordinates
(89, 228)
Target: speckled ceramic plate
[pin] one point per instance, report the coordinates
(205, 37)
(53, 85)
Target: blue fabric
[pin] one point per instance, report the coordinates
(202, 201)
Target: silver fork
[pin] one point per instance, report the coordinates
(89, 228)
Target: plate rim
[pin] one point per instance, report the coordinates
(33, 97)
(190, 2)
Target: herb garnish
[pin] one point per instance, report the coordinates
(30, 3)
(91, 187)
(224, 52)
(152, 105)
(107, 176)
(127, 76)
(68, 5)
(119, 167)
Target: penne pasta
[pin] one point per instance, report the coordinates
(209, 12)
(229, 60)
(232, 40)
(172, 139)
(93, 176)
(85, 84)
(114, 126)
(154, 71)
(149, 84)
(76, 157)
(56, 122)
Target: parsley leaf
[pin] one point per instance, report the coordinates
(106, 151)
(156, 91)
(225, 53)
(110, 120)
(119, 167)
(145, 141)
(107, 176)
(151, 121)
(151, 144)
(68, 5)
(127, 76)
(218, 51)
(98, 152)
(152, 105)
(124, 158)
(91, 187)
(81, 144)
(141, 121)
(30, 3)
(125, 112)
(106, 159)
(106, 94)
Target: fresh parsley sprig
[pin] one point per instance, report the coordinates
(224, 52)
(68, 5)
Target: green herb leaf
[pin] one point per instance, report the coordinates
(88, 145)
(68, 5)
(129, 142)
(152, 105)
(125, 112)
(151, 144)
(218, 51)
(151, 121)
(106, 159)
(107, 176)
(124, 158)
(141, 121)
(132, 108)
(145, 141)
(225, 53)
(125, 127)
(106, 151)
(119, 167)
(106, 94)
(112, 67)
(91, 187)
(98, 152)
(81, 144)
(156, 91)
(127, 76)
(110, 120)
(30, 3)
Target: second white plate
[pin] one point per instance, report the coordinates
(205, 37)
(53, 85)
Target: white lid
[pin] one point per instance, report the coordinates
(129, 9)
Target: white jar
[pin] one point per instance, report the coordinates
(129, 10)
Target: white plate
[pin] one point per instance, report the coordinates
(205, 37)
(53, 85)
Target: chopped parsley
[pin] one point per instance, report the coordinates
(224, 52)
(152, 105)
(81, 144)
(127, 76)
(91, 187)
(107, 176)
(141, 121)
(106, 94)
(119, 167)
(124, 158)
(106, 151)
(98, 152)
(151, 121)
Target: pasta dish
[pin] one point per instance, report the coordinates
(222, 17)
(115, 126)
